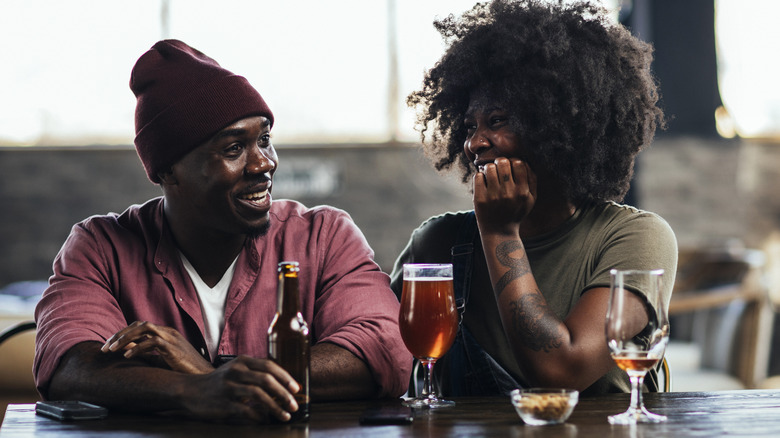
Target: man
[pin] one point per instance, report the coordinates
(166, 306)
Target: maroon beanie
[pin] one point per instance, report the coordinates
(184, 98)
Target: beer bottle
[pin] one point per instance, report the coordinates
(288, 336)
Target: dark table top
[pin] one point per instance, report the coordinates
(695, 414)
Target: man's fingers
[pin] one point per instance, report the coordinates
(261, 401)
(268, 377)
(262, 385)
(136, 332)
(272, 368)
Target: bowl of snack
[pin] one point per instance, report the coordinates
(544, 406)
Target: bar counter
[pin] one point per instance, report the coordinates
(694, 414)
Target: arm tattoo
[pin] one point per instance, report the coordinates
(531, 323)
(517, 266)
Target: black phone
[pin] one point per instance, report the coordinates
(387, 414)
(67, 410)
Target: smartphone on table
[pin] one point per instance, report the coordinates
(69, 410)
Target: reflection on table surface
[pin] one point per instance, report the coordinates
(700, 414)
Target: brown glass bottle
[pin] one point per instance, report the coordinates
(288, 336)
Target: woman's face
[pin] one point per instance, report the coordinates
(489, 130)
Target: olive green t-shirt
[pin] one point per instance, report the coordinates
(565, 263)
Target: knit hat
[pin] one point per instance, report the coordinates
(183, 99)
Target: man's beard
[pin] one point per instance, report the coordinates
(260, 231)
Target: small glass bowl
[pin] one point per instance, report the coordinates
(544, 406)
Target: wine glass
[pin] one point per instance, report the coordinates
(637, 333)
(428, 321)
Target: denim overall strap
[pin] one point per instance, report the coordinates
(471, 370)
(463, 261)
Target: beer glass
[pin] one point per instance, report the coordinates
(428, 321)
(637, 341)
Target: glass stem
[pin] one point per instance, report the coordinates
(428, 390)
(636, 391)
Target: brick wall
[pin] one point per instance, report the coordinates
(387, 190)
(710, 191)
(693, 183)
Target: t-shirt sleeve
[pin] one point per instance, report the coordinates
(431, 242)
(642, 241)
(76, 307)
(356, 309)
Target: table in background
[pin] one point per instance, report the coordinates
(701, 414)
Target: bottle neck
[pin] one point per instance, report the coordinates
(288, 299)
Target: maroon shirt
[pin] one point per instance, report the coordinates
(116, 269)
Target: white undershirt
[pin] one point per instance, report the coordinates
(212, 303)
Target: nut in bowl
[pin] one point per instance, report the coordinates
(543, 406)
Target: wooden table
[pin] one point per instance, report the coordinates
(696, 414)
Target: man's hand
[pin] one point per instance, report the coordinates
(504, 194)
(245, 387)
(142, 339)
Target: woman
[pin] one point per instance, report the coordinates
(544, 107)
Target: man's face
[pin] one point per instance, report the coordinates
(224, 185)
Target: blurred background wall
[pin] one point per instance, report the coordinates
(388, 190)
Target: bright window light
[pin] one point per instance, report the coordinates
(748, 44)
(323, 67)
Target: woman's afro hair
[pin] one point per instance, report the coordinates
(578, 86)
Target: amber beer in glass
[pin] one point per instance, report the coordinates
(428, 321)
(288, 336)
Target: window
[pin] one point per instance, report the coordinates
(748, 41)
(323, 67)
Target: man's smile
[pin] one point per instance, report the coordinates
(256, 197)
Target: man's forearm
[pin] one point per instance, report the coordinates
(245, 387)
(110, 380)
(337, 374)
(113, 381)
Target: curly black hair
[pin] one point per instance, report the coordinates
(579, 86)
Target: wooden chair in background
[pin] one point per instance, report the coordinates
(17, 344)
(720, 311)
